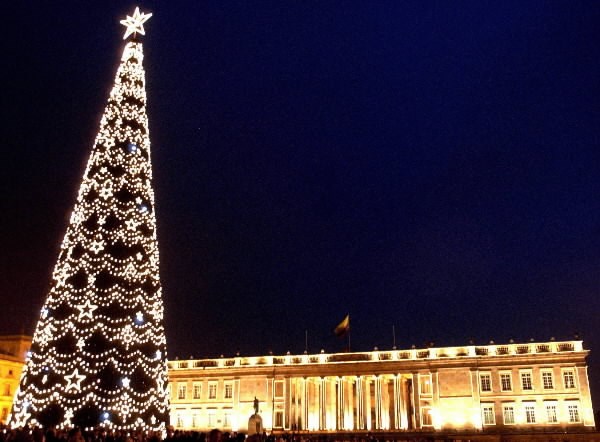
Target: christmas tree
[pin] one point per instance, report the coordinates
(98, 355)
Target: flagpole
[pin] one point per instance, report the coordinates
(349, 331)
(394, 336)
(306, 341)
(349, 348)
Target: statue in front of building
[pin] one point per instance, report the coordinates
(255, 425)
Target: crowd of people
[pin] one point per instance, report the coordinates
(101, 435)
(8, 434)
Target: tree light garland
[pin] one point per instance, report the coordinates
(98, 355)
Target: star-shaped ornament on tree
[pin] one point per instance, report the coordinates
(97, 245)
(86, 309)
(131, 224)
(22, 416)
(135, 23)
(74, 381)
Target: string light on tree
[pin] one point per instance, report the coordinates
(68, 417)
(98, 355)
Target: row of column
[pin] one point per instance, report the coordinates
(351, 403)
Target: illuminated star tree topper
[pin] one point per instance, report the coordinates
(98, 355)
(135, 23)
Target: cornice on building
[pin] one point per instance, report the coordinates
(440, 357)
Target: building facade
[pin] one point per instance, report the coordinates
(13, 350)
(513, 387)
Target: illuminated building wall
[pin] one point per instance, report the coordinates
(13, 350)
(492, 387)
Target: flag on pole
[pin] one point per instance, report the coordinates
(343, 327)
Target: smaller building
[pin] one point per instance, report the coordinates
(526, 387)
(13, 351)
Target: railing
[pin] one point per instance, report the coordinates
(388, 355)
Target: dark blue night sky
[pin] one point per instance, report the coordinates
(433, 166)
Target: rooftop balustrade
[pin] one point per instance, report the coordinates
(468, 351)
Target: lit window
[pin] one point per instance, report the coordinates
(212, 418)
(508, 412)
(569, 378)
(228, 391)
(195, 420)
(279, 419)
(227, 419)
(506, 381)
(485, 380)
(4, 413)
(181, 391)
(530, 413)
(7, 390)
(526, 380)
(425, 384)
(426, 418)
(197, 392)
(547, 380)
(488, 414)
(179, 421)
(573, 410)
(551, 416)
(212, 391)
(278, 389)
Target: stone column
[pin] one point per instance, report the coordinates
(330, 399)
(404, 402)
(288, 403)
(360, 412)
(339, 412)
(378, 402)
(367, 402)
(348, 419)
(416, 402)
(313, 401)
(396, 402)
(304, 409)
(387, 403)
(322, 404)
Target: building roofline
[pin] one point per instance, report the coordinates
(21, 337)
(495, 352)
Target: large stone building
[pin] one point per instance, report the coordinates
(13, 350)
(516, 388)
(492, 388)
